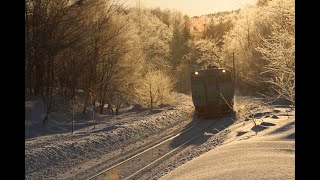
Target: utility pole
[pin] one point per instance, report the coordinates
(94, 122)
(72, 115)
(91, 95)
(234, 73)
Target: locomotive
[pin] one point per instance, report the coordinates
(212, 91)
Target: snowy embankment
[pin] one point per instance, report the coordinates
(264, 151)
(53, 154)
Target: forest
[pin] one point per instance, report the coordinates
(102, 52)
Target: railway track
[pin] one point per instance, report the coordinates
(134, 166)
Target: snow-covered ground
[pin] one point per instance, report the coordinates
(264, 151)
(52, 150)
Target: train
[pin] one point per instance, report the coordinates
(212, 91)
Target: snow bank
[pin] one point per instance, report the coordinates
(265, 151)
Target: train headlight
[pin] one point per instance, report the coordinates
(196, 73)
(223, 70)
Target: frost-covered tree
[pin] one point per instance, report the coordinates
(269, 26)
(209, 51)
(155, 37)
(217, 26)
(278, 50)
(155, 88)
(72, 45)
(129, 70)
(242, 40)
(49, 32)
(120, 60)
(181, 35)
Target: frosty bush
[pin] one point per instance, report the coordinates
(154, 89)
